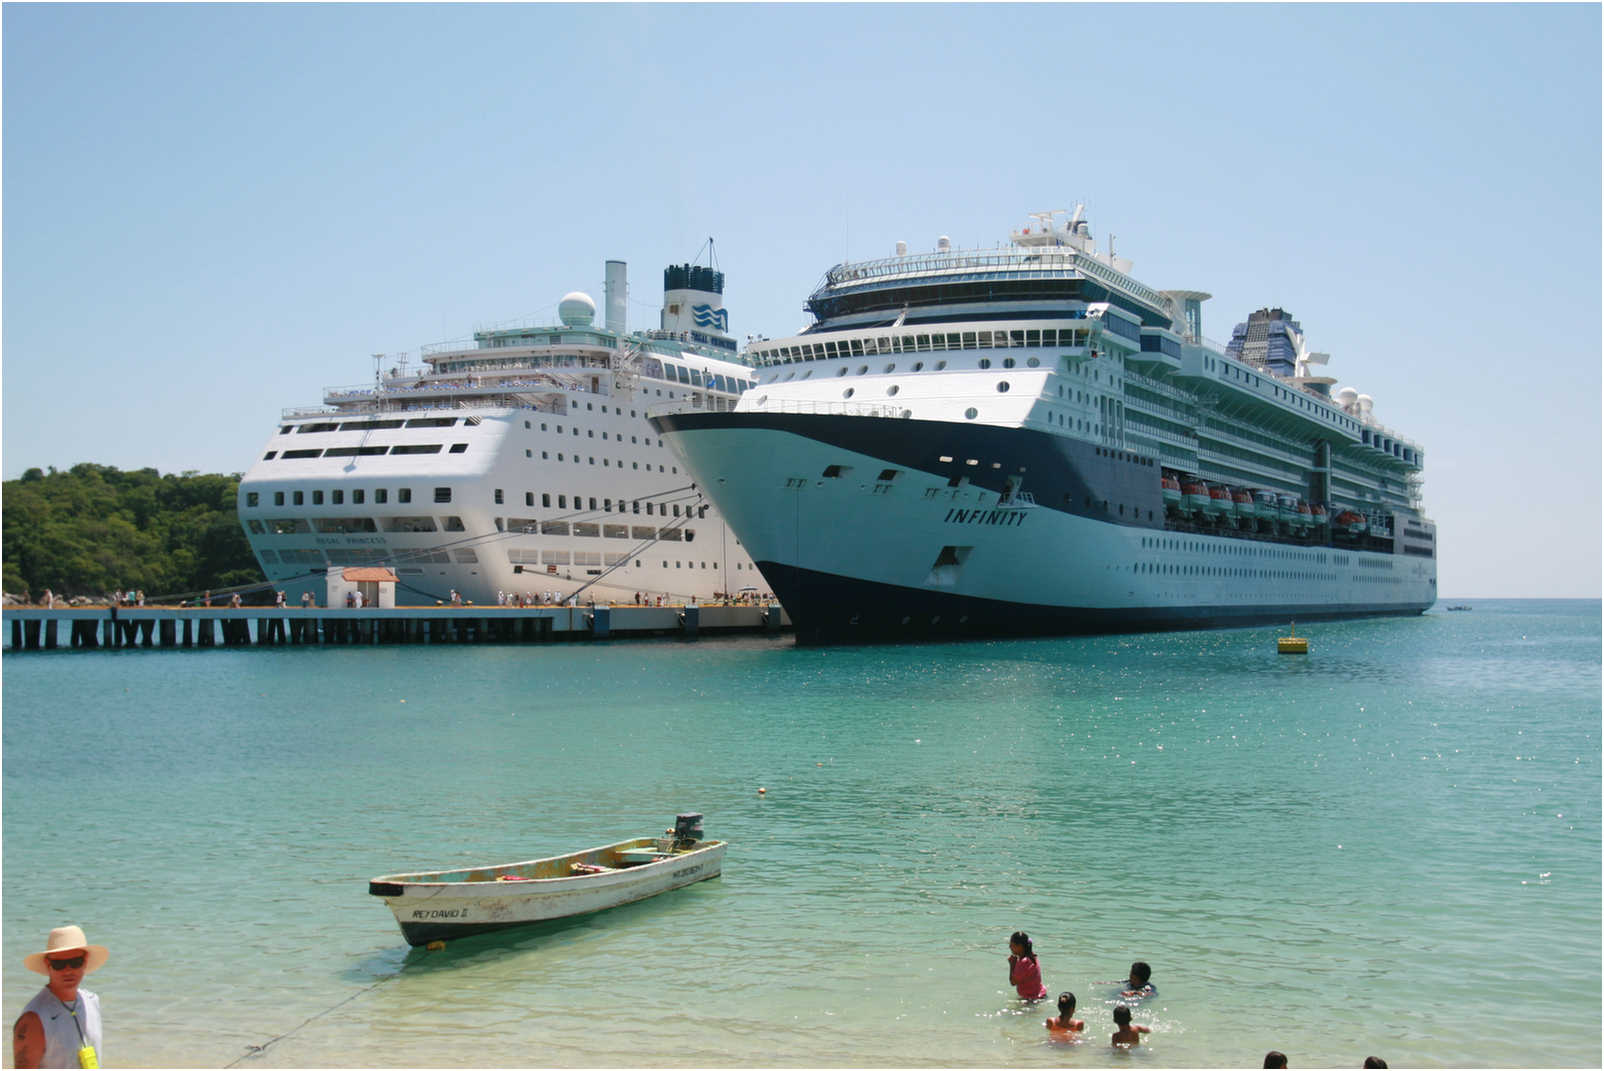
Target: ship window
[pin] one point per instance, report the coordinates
(250, 498)
(848, 392)
(317, 498)
(890, 368)
(404, 495)
(918, 366)
(278, 498)
(358, 496)
(270, 455)
(499, 497)
(1002, 387)
(442, 494)
(940, 365)
(338, 498)
(1008, 362)
(985, 362)
(892, 389)
(416, 448)
(290, 455)
(285, 430)
(971, 413)
(863, 369)
(843, 371)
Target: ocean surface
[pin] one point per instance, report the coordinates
(1389, 847)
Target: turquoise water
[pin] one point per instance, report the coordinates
(1388, 847)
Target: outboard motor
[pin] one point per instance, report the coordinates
(687, 830)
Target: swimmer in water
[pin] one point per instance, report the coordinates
(1138, 984)
(1065, 1023)
(1024, 973)
(1129, 1034)
(1275, 1058)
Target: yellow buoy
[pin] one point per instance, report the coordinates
(1292, 643)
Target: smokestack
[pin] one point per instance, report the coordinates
(617, 296)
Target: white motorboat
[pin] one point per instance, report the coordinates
(444, 904)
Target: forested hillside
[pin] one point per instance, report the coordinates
(94, 529)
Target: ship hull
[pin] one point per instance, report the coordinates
(871, 529)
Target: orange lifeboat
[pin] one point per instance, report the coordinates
(1220, 501)
(1195, 494)
(1350, 524)
(1172, 492)
(1245, 510)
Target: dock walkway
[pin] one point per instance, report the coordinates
(116, 627)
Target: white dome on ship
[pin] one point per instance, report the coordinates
(576, 310)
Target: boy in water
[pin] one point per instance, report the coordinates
(1129, 1034)
(1066, 1023)
(1138, 984)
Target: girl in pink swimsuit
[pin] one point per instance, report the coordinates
(1024, 973)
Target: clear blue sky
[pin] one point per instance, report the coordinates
(211, 213)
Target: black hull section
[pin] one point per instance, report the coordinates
(828, 609)
(421, 933)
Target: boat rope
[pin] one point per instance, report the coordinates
(257, 1050)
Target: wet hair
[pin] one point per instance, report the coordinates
(1066, 1003)
(1375, 1061)
(1022, 939)
(1275, 1058)
(1122, 1015)
(1140, 973)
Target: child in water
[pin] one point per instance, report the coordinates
(1066, 1023)
(1129, 1034)
(1024, 973)
(1138, 984)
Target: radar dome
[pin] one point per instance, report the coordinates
(1346, 396)
(576, 310)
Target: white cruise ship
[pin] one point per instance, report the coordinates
(1026, 439)
(518, 464)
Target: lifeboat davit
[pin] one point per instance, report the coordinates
(1321, 519)
(1196, 495)
(1220, 500)
(1305, 517)
(1289, 509)
(1172, 492)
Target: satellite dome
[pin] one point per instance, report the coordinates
(576, 310)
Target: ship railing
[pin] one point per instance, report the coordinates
(828, 408)
(449, 346)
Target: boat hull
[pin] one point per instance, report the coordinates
(871, 529)
(452, 904)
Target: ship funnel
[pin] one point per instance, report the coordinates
(616, 295)
(693, 301)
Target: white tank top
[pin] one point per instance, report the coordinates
(62, 1040)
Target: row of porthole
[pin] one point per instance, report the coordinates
(918, 366)
(1002, 388)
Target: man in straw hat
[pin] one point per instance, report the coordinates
(61, 1026)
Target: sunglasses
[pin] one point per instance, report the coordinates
(66, 964)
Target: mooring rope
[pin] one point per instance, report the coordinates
(257, 1050)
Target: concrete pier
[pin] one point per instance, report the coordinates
(171, 627)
